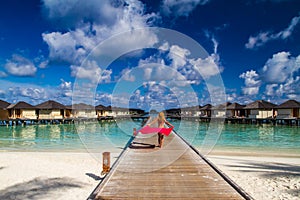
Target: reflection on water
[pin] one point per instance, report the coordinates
(108, 135)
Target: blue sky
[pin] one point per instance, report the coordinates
(253, 46)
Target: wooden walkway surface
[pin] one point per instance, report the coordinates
(175, 171)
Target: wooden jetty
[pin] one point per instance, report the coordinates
(176, 171)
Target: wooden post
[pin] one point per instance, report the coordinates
(106, 163)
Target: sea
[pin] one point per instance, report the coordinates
(102, 136)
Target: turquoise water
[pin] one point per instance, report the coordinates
(107, 135)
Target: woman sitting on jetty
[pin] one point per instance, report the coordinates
(161, 121)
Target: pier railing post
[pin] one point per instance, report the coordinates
(105, 163)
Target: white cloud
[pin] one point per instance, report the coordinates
(91, 71)
(270, 89)
(178, 56)
(264, 37)
(125, 73)
(252, 82)
(71, 13)
(207, 67)
(3, 74)
(107, 19)
(280, 67)
(64, 47)
(181, 7)
(20, 66)
(65, 88)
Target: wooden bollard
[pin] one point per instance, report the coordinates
(106, 163)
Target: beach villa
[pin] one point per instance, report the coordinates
(260, 109)
(110, 111)
(103, 111)
(173, 112)
(50, 110)
(81, 110)
(205, 111)
(220, 110)
(236, 110)
(3, 110)
(22, 110)
(193, 111)
(288, 110)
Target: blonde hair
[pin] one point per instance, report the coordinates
(161, 116)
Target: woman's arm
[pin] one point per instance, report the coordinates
(169, 124)
(149, 124)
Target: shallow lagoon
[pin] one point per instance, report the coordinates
(110, 135)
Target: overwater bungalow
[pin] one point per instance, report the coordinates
(205, 111)
(3, 111)
(288, 110)
(50, 110)
(81, 110)
(101, 111)
(193, 111)
(221, 111)
(136, 112)
(174, 112)
(117, 112)
(120, 112)
(236, 110)
(22, 110)
(260, 109)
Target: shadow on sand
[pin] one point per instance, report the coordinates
(38, 188)
(272, 170)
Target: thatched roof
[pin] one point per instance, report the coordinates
(221, 106)
(4, 104)
(260, 104)
(80, 106)
(50, 105)
(21, 105)
(192, 108)
(289, 104)
(235, 106)
(206, 107)
(101, 107)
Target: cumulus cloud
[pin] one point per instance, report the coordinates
(107, 19)
(278, 78)
(281, 75)
(20, 66)
(91, 71)
(252, 82)
(181, 7)
(280, 67)
(65, 88)
(264, 37)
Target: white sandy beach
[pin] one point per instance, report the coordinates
(263, 177)
(68, 175)
(48, 175)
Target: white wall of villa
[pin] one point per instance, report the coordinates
(191, 113)
(260, 114)
(84, 114)
(287, 113)
(50, 114)
(205, 113)
(222, 113)
(23, 114)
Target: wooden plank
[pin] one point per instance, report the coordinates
(174, 171)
